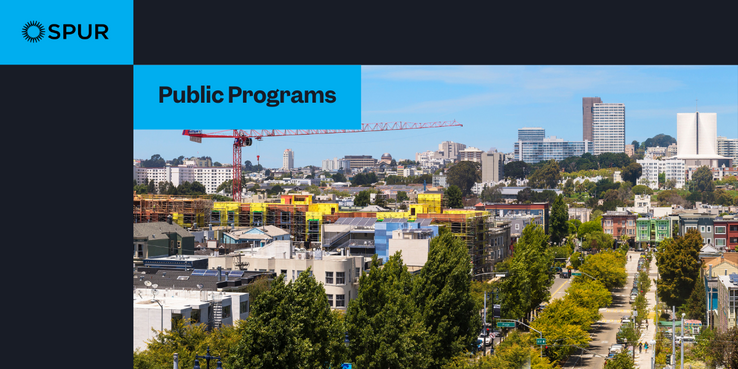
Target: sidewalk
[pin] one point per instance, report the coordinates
(643, 360)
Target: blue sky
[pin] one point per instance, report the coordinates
(492, 102)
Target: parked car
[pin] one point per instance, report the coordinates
(685, 339)
(616, 348)
(564, 274)
(625, 319)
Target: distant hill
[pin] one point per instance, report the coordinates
(661, 140)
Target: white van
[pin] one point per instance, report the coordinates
(686, 339)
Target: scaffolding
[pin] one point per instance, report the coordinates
(303, 220)
(185, 211)
(471, 227)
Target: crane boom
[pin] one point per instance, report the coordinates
(245, 138)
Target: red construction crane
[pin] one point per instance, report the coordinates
(246, 137)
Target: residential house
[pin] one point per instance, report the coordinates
(161, 239)
(619, 223)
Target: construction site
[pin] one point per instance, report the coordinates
(304, 220)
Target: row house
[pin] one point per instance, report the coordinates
(619, 223)
(652, 231)
(726, 233)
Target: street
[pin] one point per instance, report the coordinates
(604, 331)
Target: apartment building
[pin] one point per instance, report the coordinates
(727, 308)
(210, 177)
(618, 223)
(608, 127)
(672, 169)
(339, 274)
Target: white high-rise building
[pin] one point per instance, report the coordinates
(608, 127)
(288, 159)
(728, 147)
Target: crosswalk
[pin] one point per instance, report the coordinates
(609, 310)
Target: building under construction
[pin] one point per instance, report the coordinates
(303, 219)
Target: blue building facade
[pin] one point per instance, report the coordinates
(383, 233)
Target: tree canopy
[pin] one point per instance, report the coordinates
(559, 220)
(464, 175)
(292, 325)
(547, 176)
(453, 195)
(679, 267)
(384, 325)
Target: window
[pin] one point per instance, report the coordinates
(328, 277)
(340, 278)
(244, 307)
(283, 271)
(719, 242)
(702, 228)
(358, 272)
(709, 229)
(226, 311)
(330, 300)
(720, 230)
(517, 227)
(734, 240)
(340, 300)
(195, 315)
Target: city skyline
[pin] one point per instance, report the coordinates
(492, 102)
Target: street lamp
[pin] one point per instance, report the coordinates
(153, 292)
(682, 342)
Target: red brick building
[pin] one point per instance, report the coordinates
(618, 223)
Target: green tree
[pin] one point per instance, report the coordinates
(385, 327)
(524, 195)
(313, 189)
(641, 190)
(697, 302)
(339, 177)
(559, 220)
(517, 170)
(187, 340)
(226, 186)
(362, 198)
(607, 267)
(463, 175)
(679, 266)
(453, 194)
(660, 139)
(703, 184)
(292, 325)
(402, 196)
(442, 294)
(631, 173)
(492, 194)
(597, 240)
(517, 351)
(547, 176)
(724, 348)
(594, 225)
(530, 275)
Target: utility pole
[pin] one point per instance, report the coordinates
(673, 336)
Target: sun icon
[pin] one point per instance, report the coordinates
(29, 26)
